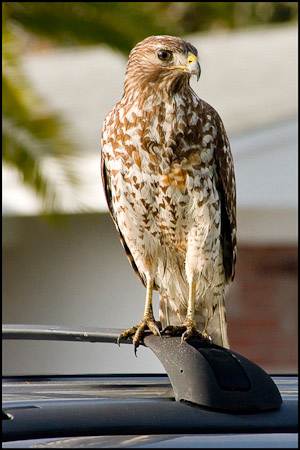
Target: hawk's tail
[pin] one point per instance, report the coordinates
(217, 324)
(167, 313)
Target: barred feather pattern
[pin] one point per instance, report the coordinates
(168, 175)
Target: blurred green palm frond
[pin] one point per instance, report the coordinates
(30, 133)
(120, 25)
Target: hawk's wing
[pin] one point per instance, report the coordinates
(108, 195)
(227, 192)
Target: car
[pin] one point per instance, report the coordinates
(209, 397)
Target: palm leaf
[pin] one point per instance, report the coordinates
(117, 24)
(31, 133)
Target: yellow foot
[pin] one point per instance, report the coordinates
(137, 332)
(186, 330)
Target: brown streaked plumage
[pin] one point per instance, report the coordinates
(169, 180)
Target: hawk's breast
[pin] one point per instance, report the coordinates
(161, 171)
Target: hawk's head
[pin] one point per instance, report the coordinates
(162, 62)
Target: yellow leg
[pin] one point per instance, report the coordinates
(148, 312)
(189, 323)
(137, 332)
(188, 328)
(190, 315)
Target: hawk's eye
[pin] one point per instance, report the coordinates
(164, 55)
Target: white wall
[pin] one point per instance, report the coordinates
(73, 273)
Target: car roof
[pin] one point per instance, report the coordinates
(49, 407)
(70, 406)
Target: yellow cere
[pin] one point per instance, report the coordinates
(192, 58)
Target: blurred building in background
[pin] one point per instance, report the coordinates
(72, 270)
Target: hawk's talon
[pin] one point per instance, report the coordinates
(126, 334)
(175, 330)
(186, 331)
(137, 332)
(206, 336)
(154, 328)
(191, 331)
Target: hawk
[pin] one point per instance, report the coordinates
(169, 181)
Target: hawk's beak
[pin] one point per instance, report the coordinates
(193, 65)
